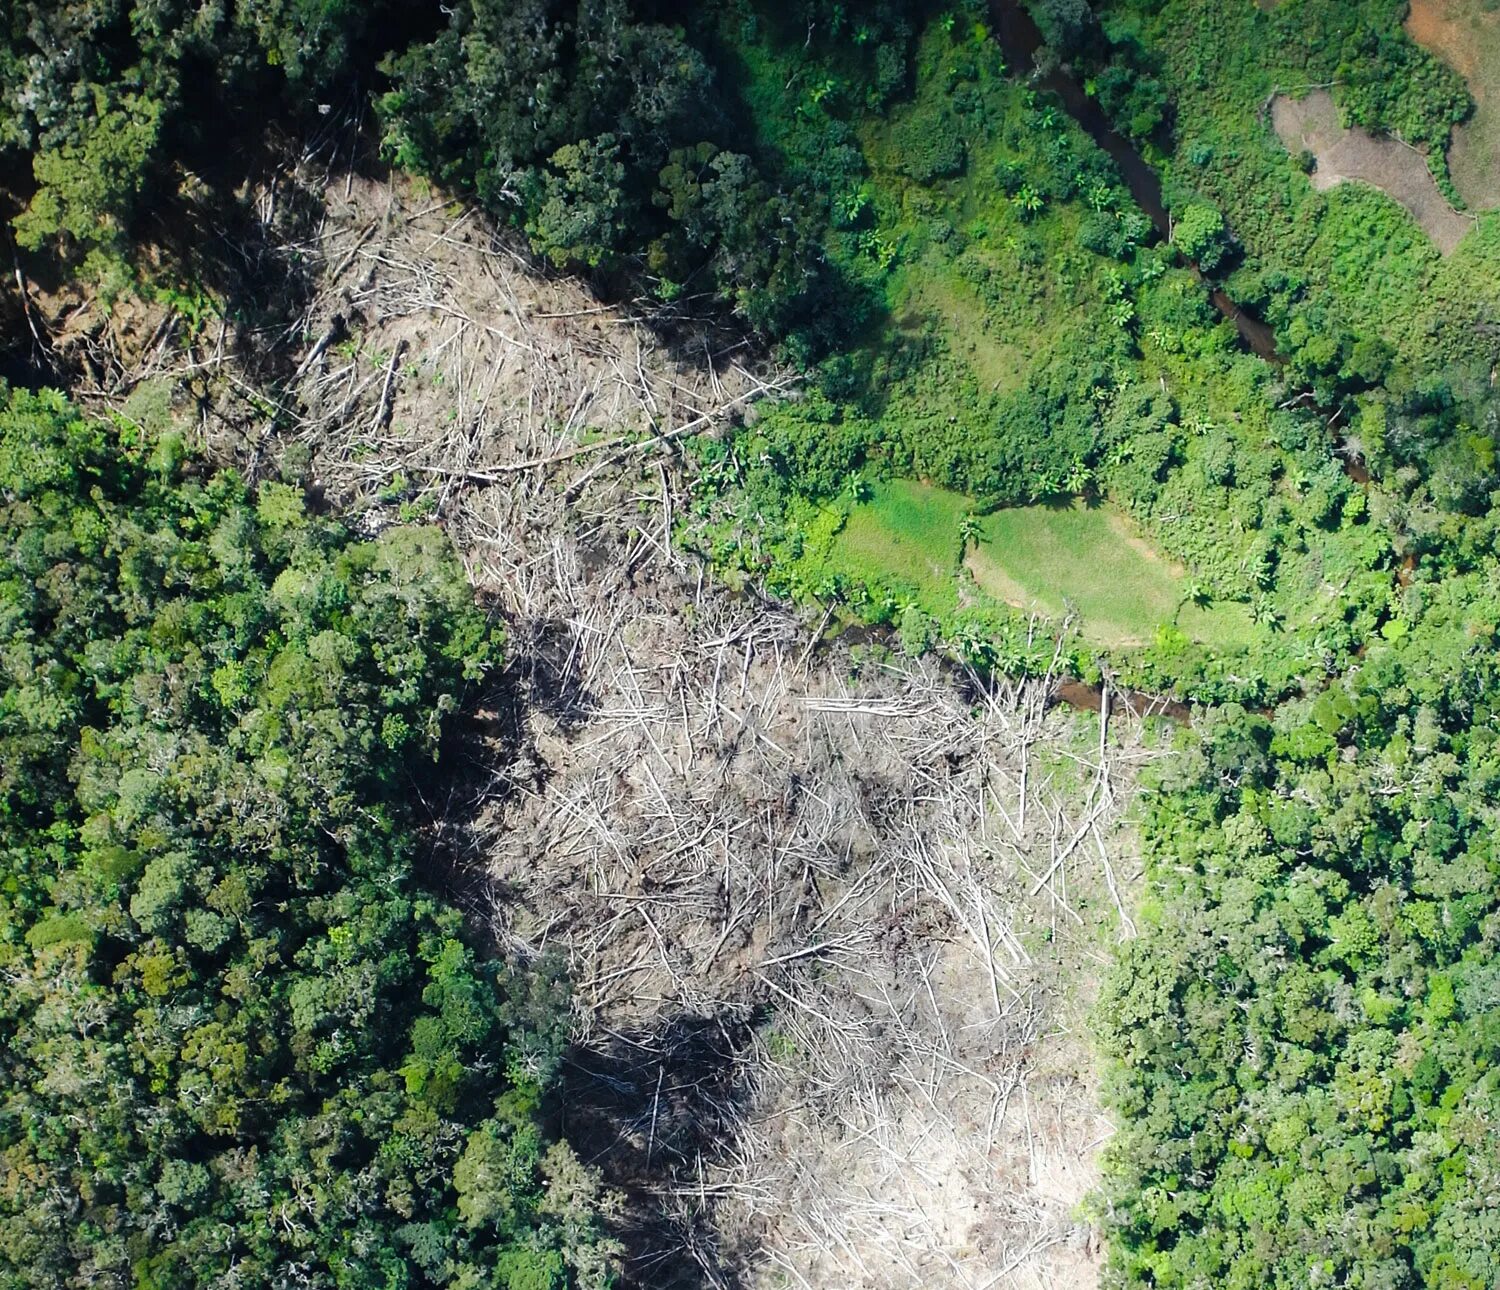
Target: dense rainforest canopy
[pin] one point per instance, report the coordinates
(239, 1038)
(241, 1034)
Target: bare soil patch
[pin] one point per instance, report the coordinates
(1439, 25)
(982, 566)
(1343, 154)
(1466, 35)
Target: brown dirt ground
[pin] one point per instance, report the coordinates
(1399, 171)
(1467, 37)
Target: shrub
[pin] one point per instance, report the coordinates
(1200, 234)
(930, 147)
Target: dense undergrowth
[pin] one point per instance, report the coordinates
(1308, 1028)
(1365, 308)
(1034, 342)
(1303, 1038)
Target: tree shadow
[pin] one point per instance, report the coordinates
(217, 255)
(652, 1109)
(543, 672)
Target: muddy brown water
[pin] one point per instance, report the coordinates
(1084, 696)
(1088, 696)
(1020, 39)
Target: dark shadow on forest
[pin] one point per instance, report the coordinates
(228, 221)
(653, 1110)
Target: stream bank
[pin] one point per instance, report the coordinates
(1021, 40)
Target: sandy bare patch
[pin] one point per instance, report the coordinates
(1466, 36)
(1439, 25)
(1343, 154)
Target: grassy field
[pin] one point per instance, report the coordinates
(1050, 559)
(909, 531)
(1090, 559)
(1466, 35)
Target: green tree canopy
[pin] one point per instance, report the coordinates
(104, 96)
(241, 1039)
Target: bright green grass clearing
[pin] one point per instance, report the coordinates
(1033, 557)
(1091, 559)
(908, 533)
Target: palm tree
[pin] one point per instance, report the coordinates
(1265, 613)
(1045, 484)
(968, 532)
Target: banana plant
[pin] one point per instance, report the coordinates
(1027, 201)
(969, 531)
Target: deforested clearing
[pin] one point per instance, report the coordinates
(1466, 35)
(747, 646)
(834, 916)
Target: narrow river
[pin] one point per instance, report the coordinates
(1020, 39)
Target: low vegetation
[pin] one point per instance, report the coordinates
(1037, 344)
(1360, 299)
(1088, 560)
(933, 554)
